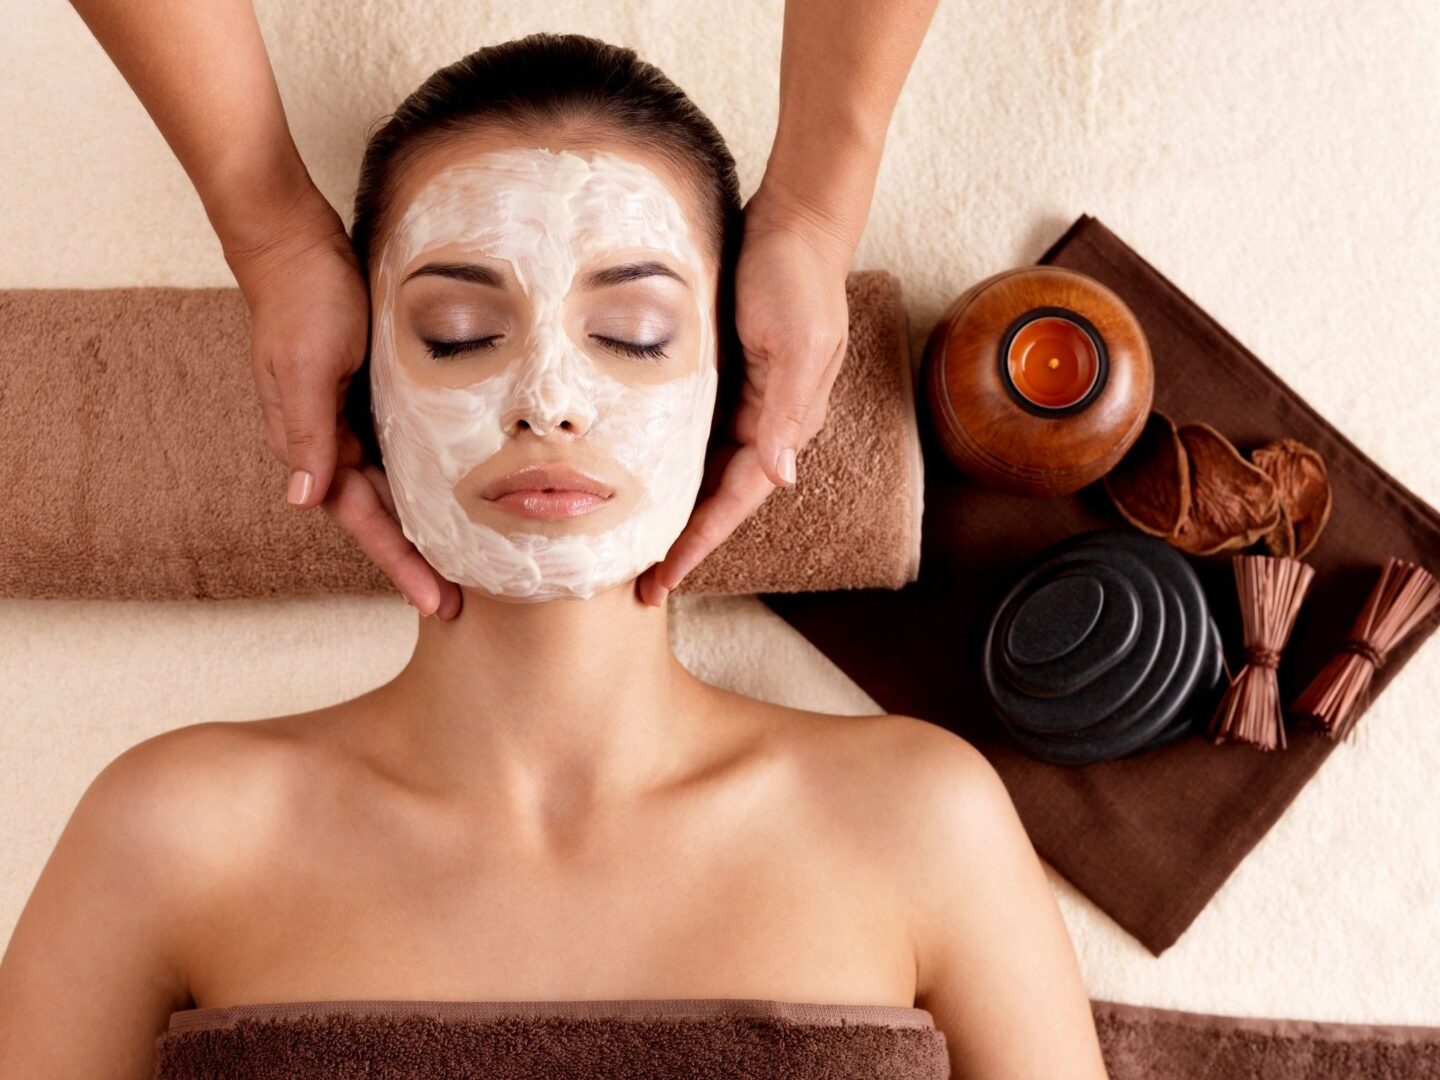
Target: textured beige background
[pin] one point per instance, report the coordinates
(1279, 162)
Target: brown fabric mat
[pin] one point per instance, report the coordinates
(134, 465)
(1149, 838)
(1143, 1043)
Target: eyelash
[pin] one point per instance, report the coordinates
(441, 349)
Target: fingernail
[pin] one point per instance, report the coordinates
(785, 464)
(300, 484)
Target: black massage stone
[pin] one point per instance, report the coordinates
(1049, 656)
(1096, 649)
(1210, 678)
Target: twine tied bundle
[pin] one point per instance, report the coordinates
(1405, 594)
(1271, 590)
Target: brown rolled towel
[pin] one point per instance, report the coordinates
(634, 1040)
(134, 467)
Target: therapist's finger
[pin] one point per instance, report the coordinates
(451, 598)
(797, 393)
(354, 503)
(310, 407)
(743, 486)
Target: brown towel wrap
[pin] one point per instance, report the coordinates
(553, 1040)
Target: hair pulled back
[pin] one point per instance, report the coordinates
(532, 86)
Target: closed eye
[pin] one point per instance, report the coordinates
(441, 349)
(653, 351)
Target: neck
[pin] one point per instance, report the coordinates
(561, 702)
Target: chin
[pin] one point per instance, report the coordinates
(534, 567)
(562, 563)
(545, 595)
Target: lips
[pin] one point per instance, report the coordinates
(547, 478)
(548, 492)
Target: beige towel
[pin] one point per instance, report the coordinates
(133, 463)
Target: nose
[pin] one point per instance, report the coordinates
(547, 396)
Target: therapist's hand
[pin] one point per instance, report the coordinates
(310, 316)
(793, 322)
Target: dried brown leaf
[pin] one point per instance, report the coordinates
(1280, 541)
(1232, 502)
(1150, 486)
(1300, 476)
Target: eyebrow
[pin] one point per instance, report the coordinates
(618, 275)
(477, 274)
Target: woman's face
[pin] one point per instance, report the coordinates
(543, 365)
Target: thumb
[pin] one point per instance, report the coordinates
(793, 407)
(309, 403)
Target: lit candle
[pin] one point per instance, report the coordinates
(1052, 362)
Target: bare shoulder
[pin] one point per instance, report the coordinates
(194, 754)
(184, 808)
(955, 802)
(942, 814)
(914, 781)
(951, 824)
(182, 789)
(903, 796)
(994, 961)
(157, 831)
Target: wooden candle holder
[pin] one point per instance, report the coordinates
(1054, 431)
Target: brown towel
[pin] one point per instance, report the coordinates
(634, 1040)
(1149, 838)
(739, 1038)
(1143, 1043)
(134, 467)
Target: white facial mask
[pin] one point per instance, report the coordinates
(547, 214)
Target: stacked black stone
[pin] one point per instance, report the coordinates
(1095, 651)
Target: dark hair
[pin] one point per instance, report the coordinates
(536, 84)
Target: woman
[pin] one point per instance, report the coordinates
(543, 805)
